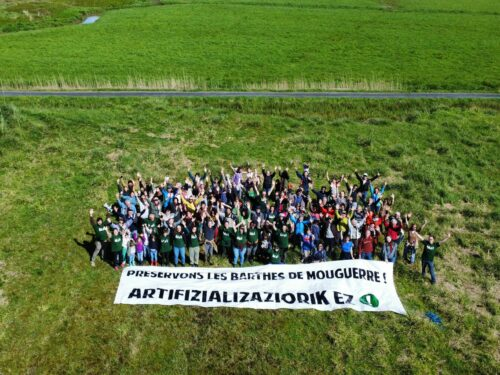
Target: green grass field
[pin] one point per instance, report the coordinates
(59, 157)
(277, 45)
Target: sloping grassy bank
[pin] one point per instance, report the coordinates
(58, 157)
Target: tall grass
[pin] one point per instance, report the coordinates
(185, 83)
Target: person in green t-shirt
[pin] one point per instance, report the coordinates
(179, 240)
(116, 247)
(240, 245)
(150, 225)
(275, 255)
(165, 247)
(226, 238)
(194, 246)
(282, 237)
(430, 248)
(100, 238)
(253, 241)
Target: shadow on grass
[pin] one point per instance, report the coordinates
(89, 247)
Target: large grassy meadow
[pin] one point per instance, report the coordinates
(278, 45)
(59, 157)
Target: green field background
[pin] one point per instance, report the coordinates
(409, 45)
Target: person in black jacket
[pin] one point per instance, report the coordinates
(268, 178)
(364, 184)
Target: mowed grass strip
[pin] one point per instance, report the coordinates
(59, 157)
(253, 45)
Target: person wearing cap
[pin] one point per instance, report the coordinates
(155, 207)
(364, 184)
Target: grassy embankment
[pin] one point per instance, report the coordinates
(58, 157)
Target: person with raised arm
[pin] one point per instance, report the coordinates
(430, 248)
(364, 184)
(100, 237)
(413, 238)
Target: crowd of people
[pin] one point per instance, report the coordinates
(247, 216)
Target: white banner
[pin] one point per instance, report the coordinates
(355, 284)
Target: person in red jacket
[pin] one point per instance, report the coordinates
(366, 246)
(394, 229)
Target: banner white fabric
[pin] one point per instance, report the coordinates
(355, 284)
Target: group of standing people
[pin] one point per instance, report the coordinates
(249, 216)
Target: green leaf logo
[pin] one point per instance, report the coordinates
(370, 300)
